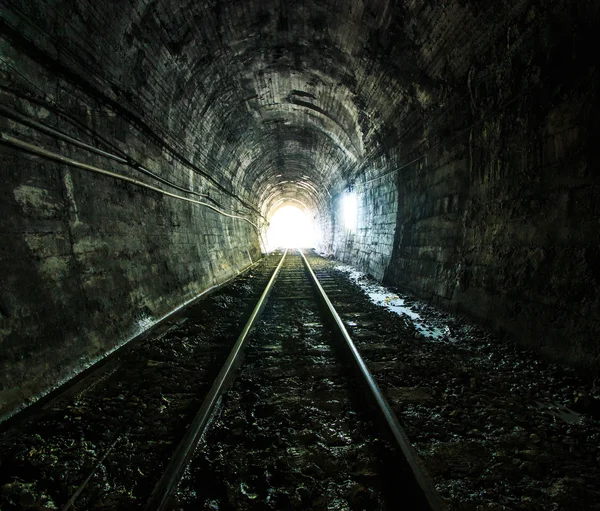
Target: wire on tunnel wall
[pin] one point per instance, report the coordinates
(115, 106)
(125, 160)
(7, 139)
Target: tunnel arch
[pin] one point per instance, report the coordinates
(229, 91)
(441, 115)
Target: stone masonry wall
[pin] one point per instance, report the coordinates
(369, 248)
(491, 170)
(500, 215)
(88, 261)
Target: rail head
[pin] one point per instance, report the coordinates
(159, 499)
(416, 465)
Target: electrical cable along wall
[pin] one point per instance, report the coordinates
(465, 128)
(93, 258)
(38, 151)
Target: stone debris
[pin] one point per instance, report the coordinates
(500, 429)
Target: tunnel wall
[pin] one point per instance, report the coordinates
(370, 246)
(89, 261)
(499, 216)
(494, 186)
(470, 123)
(323, 223)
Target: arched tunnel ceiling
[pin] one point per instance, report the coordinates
(275, 90)
(274, 98)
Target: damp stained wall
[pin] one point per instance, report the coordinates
(467, 129)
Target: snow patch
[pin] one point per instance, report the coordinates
(384, 297)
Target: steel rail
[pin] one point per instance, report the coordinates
(73, 385)
(159, 499)
(419, 472)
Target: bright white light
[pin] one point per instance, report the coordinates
(290, 227)
(350, 211)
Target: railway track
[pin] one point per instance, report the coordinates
(293, 419)
(294, 414)
(101, 441)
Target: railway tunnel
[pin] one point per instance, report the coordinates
(150, 149)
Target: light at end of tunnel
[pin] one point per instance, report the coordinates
(350, 208)
(290, 227)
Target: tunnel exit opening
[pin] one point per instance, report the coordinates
(290, 227)
(350, 210)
